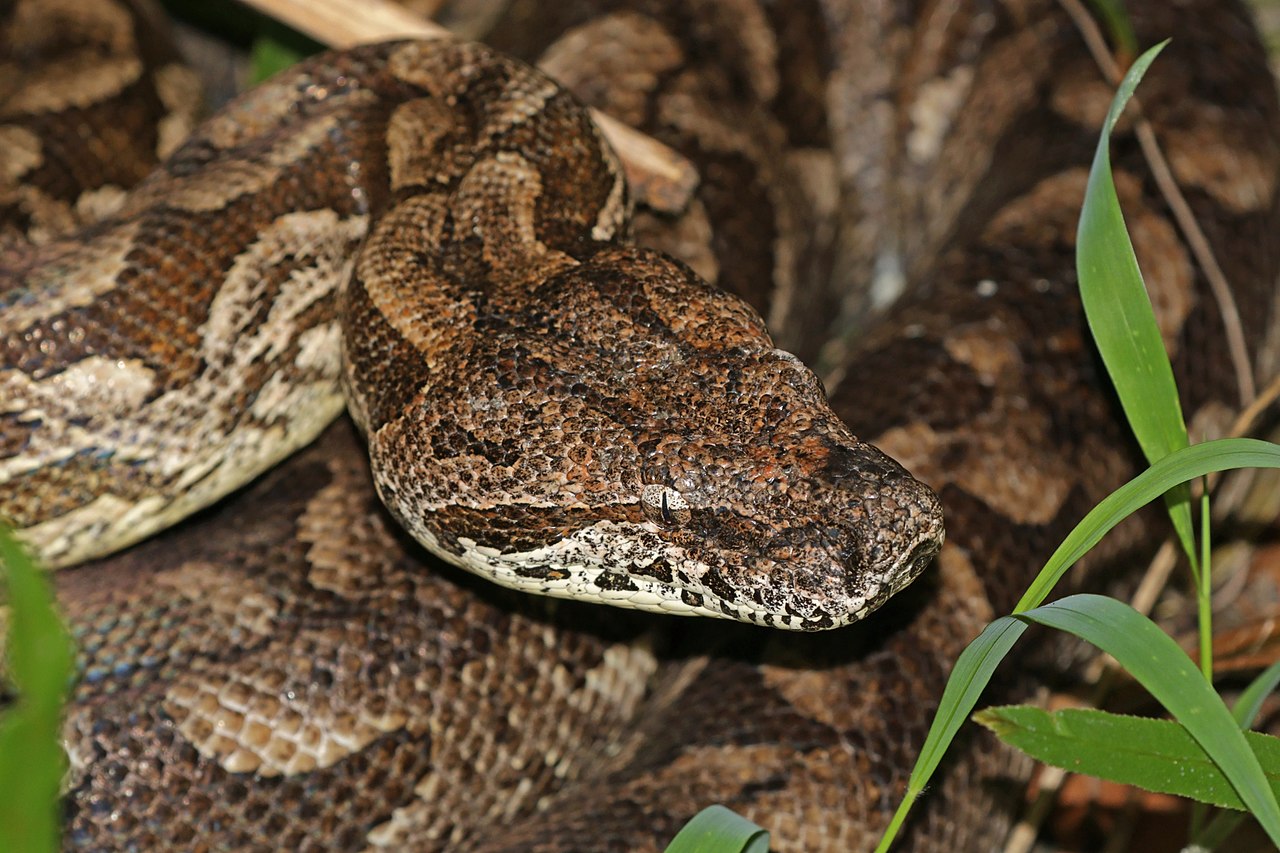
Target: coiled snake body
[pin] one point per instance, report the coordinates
(550, 407)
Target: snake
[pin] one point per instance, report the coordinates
(553, 388)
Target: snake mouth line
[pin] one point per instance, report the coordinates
(534, 572)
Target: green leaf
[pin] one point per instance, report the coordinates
(1116, 20)
(978, 661)
(40, 658)
(1159, 665)
(970, 676)
(1244, 710)
(1120, 315)
(1178, 467)
(1156, 755)
(1250, 701)
(717, 829)
(1217, 832)
(276, 48)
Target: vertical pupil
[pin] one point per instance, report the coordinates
(666, 512)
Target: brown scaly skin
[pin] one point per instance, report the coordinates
(527, 387)
(310, 683)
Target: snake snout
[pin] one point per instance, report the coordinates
(888, 527)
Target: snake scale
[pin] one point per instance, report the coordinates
(552, 402)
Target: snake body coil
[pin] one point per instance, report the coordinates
(542, 406)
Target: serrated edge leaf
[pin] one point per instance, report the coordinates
(1152, 754)
(1158, 664)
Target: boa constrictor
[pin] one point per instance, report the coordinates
(555, 409)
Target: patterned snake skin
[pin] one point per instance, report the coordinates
(554, 409)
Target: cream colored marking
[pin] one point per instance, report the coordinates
(413, 134)
(22, 152)
(252, 728)
(213, 187)
(933, 111)
(1003, 469)
(96, 205)
(623, 676)
(983, 347)
(68, 275)
(106, 384)
(182, 443)
(68, 538)
(586, 554)
(61, 89)
(320, 348)
(613, 214)
(179, 89)
(318, 236)
(513, 109)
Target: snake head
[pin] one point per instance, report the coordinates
(627, 433)
(772, 511)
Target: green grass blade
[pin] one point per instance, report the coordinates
(717, 829)
(1120, 315)
(1217, 832)
(1250, 701)
(1178, 467)
(977, 663)
(1155, 755)
(971, 675)
(1116, 21)
(276, 48)
(39, 658)
(1245, 710)
(1159, 665)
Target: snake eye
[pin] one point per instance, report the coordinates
(665, 506)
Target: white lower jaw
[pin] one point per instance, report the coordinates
(589, 565)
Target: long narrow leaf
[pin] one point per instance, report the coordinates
(1178, 467)
(1119, 29)
(1250, 701)
(39, 657)
(717, 829)
(976, 664)
(1120, 315)
(1155, 660)
(1244, 710)
(970, 676)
